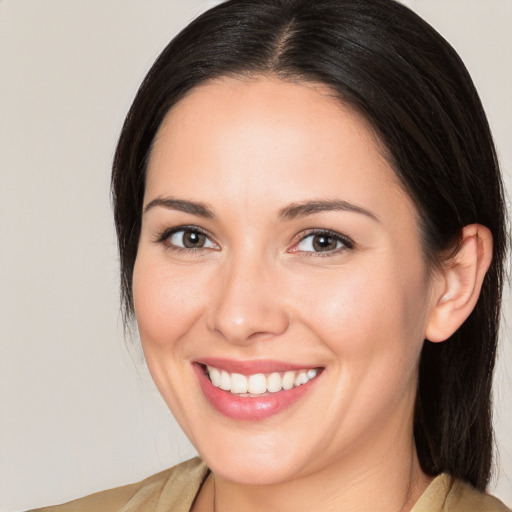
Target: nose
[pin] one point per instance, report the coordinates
(248, 304)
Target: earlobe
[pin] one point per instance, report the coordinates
(458, 285)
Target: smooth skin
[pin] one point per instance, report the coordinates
(342, 286)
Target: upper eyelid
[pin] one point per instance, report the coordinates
(166, 233)
(177, 229)
(319, 231)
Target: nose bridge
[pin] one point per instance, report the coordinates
(248, 302)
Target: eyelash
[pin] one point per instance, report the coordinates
(347, 243)
(164, 238)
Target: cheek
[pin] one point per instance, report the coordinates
(167, 307)
(166, 303)
(376, 310)
(373, 323)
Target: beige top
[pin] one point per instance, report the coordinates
(175, 489)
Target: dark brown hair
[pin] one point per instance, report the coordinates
(410, 85)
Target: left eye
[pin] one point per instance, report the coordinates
(322, 242)
(190, 239)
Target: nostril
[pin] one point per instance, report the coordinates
(249, 323)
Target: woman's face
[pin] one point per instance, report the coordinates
(277, 247)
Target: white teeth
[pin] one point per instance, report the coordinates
(214, 376)
(301, 378)
(312, 373)
(258, 383)
(274, 383)
(238, 383)
(225, 381)
(288, 380)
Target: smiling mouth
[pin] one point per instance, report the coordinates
(259, 384)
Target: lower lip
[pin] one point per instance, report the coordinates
(249, 408)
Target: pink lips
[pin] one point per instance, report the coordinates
(249, 408)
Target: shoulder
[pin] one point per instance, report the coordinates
(174, 489)
(447, 494)
(465, 498)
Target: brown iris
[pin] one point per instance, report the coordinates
(193, 239)
(322, 243)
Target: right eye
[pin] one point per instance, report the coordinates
(187, 239)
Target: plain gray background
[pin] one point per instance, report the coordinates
(78, 412)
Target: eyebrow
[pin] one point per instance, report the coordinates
(290, 212)
(182, 205)
(305, 208)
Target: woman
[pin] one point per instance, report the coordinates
(311, 229)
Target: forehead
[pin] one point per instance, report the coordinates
(237, 102)
(264, 138)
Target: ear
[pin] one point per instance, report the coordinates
(457, 286)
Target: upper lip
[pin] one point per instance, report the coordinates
(246, 367)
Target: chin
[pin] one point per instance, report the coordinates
(263, 460)
(247, 470)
